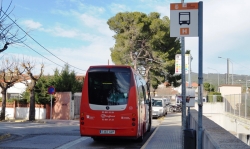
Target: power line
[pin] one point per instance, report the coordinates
(40, 54)
(39, 45)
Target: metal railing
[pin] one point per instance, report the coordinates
(238, 105)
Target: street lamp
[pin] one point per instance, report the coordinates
(246, 85)
(218, 77)
(227, 78)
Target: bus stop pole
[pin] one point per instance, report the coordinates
(200, 74)
(183, 84)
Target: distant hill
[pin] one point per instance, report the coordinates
(213, 79)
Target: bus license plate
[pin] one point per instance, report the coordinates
(107, 131)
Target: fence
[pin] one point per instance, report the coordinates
(63, 108)
(238, 105)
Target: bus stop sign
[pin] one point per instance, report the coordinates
(51, 90)
(184, 20)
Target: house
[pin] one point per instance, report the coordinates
(230, 89)
(17, 89)
(194, 85)
(165, 90)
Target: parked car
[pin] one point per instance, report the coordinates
(159, 107)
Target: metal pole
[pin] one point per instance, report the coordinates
(183, 82)
(246, 99)
(190, 86)
(50, 106)
(232, 74)
(218, 82)
(200, 78)
(227, 71)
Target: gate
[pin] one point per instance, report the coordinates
(77, 102)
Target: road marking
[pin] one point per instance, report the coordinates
(68, 145)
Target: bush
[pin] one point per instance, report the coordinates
(23, 101)
(210, 97)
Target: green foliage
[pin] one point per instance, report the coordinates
(218, 97)
(23, 101)
(11, 100)
(25, 96)
(144, 41)
(208, 87)
(41, 89)
(41, 92)
(66, 81)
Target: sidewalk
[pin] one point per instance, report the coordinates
(167, 135)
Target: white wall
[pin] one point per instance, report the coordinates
(9, 113)
(230, 90)
(23, 113)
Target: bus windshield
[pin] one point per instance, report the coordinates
(109, 86)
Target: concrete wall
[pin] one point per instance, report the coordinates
(23, 113)
(213, 135)
(232, 123)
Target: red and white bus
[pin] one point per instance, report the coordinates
(115, 103)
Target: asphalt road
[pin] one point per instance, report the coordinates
(60, 134)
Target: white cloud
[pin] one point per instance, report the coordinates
(32, 24)
(115, 8)
(163, 10)
(59, 31)
(96, 24)
(97, 53)
(90, 21)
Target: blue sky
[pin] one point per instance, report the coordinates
(76, 31)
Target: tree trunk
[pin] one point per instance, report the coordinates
(154, 92)
(32, 111)
(3, 105)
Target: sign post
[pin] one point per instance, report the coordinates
(51, 90)
(186, 20)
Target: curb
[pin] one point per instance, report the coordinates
(146, 143)
(20, 121)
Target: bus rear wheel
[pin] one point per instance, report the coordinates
(140, 139)
(149, 125)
